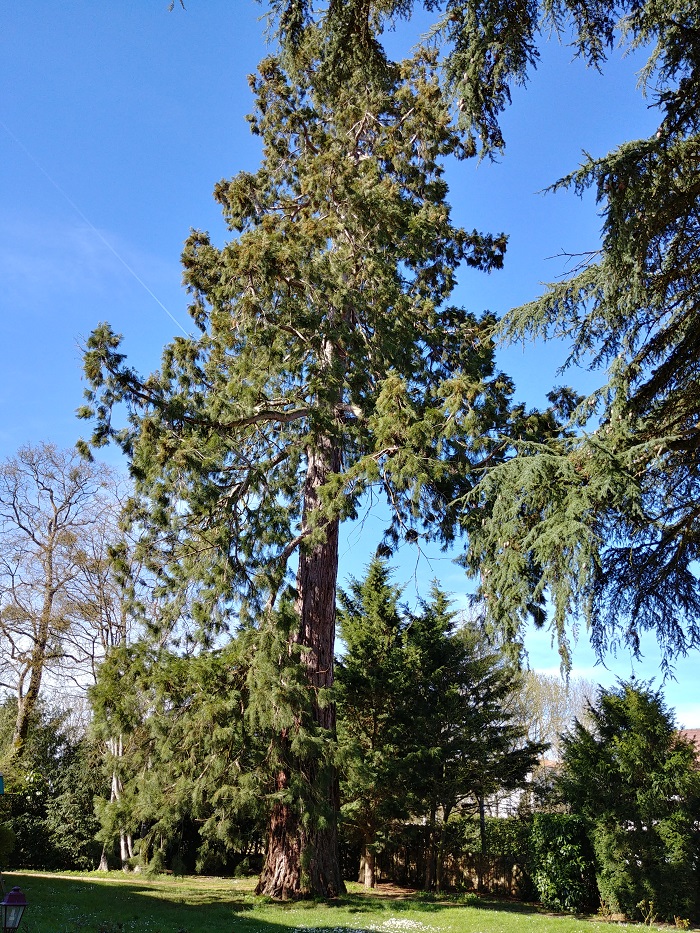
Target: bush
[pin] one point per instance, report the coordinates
(562, 863)
(634, 781)
(49, 794)
(509, 836)
(7, 843)
(642, 867)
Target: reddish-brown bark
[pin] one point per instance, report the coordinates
(302, 860)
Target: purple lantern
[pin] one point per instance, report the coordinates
(12, 907)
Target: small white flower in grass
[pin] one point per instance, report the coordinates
(392, 925)
(403, 923)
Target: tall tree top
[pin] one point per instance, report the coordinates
(325, 326)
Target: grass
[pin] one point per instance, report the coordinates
(114, 903)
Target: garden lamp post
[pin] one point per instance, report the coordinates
(12, 907)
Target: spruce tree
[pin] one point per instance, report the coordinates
(329, 368)
(467, 743)
(374, 683)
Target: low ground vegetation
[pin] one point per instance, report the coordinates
(95, 903)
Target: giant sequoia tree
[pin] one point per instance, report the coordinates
(330, 369)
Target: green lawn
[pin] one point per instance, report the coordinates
(96, 903)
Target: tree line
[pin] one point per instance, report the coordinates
(180, 738)
(174, 763)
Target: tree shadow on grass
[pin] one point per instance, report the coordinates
(408, 899)
(66, 904)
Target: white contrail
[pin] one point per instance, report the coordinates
(90, 225)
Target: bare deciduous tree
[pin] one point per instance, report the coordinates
(552, 704)
(57, 519)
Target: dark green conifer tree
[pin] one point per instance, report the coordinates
(374, 682)
(634, 781)
(467, 742)
(424, 723)
(606, 520)
(329, 367)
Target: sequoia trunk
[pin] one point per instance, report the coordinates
(302, 848)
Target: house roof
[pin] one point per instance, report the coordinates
(692, 735)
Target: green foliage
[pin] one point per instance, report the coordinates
(605, 521)
(174, 734)
(424, 725)
(28, 783)
(487, 49)
(49, 791)
(373, 684)
(633, 781)
(507, 836)
(7, 843)
(467, 698)
(70, 818)
(561, 862)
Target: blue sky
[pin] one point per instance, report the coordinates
(116, 120)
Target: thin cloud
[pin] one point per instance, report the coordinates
(45, 263)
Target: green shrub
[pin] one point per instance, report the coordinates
(562, 864)
(509, 836)
(634, 781)
(638, 867)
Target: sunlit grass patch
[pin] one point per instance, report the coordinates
(116, 903)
